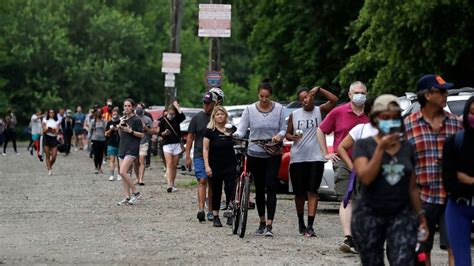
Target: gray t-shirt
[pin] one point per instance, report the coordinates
(263, 125)
(36, 124)
(97, 129)
(198, 126)
(307, 148)
(147, 122)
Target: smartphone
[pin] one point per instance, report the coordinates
(396, 129)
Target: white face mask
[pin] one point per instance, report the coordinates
(359, 99)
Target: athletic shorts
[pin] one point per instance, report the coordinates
(35, 137)
(341, 178)
(112, 151)
(143, 149)
(306, 177)
(49, 141)
(121, 158)
(434, 214)
(200, 169)
(173, 149)
(79, 131)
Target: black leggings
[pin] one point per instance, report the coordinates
(98, 147)
(228, 177)
(265, 172)
(9, 134)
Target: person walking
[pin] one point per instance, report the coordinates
(131, 132)
(50, 141)
(266, 121)
(171, 133)
(427, 130)
(219, 160)
(36, 131)
(67, 125)
(458, 180)
(112, 140)
(340, 121)
(79, 119)
(97, 137)
(384, 212)
(2, 131)
(306, 160)
(197, 129)
(10, 132)
(144, 143)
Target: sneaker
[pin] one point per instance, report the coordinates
(40, 158)
(210, 217)
(223, 206)
(111, 178)
(260, 230)
(123, 202)
(4, 154)
(268, 231)
(96, 171)
(50, 172)
(75, 149)
(119, 177)
(302, 229)
(310, 232)
(230, 221)
(134, 198)
(17, 154)
(169, 189)
(217, 222)
(201, 215)
(348, 245)
(173, 189)
(31, 151)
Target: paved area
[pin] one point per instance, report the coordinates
(72, 218)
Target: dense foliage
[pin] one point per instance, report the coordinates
(64, 53)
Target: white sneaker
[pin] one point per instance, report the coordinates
(119, 177)
(111, 178)
(50, 172)
(4, 154)
(17, 154)
(173, 189)
(134, 198)
(75, 149)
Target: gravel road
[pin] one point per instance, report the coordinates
(71, 217)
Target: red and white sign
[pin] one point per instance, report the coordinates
(171, 63)
(214, 20)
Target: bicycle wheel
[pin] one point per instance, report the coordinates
(244, 206)
(236, 208)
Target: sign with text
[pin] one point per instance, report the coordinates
(213, 78)
(214, 20)
(171, 63)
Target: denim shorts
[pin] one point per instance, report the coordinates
(112, 151)
(200, 169)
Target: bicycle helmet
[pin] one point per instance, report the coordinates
(218, 93)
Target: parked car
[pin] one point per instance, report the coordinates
(326, 189)
(235, 113)
(455, 103)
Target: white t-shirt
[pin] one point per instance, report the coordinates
(35, 124)
(362, 131)
(52, 124)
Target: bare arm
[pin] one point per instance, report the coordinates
(324, 148)
(332, 99)
(465, 179)
(342, 149)
(289, 130)
(205, 155)
(189, 143)
(416, 203)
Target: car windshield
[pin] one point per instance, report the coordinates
(457, 107)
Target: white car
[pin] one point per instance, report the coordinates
(235, 113)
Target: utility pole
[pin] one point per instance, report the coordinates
(215, 48)
(176, 18)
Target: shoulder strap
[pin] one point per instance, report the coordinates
(168, 122)
(458, 137)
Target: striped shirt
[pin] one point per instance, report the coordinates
(428, 146)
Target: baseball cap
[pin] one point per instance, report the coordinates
(382, 102)
(433, 81)
(209, 97)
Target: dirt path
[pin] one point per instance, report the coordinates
(72, 218)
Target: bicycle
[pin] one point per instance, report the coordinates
(240, 203)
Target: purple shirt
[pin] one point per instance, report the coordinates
(340, 121)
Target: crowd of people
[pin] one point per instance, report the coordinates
(397, 178)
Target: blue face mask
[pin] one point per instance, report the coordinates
(385, 126)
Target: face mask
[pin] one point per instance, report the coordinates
(385, 126)
(359, 99)
(115, 117)
(470, 118)
(139, 111)
(109, 103)
(170, 117)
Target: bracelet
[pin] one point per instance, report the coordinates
(421, 212)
